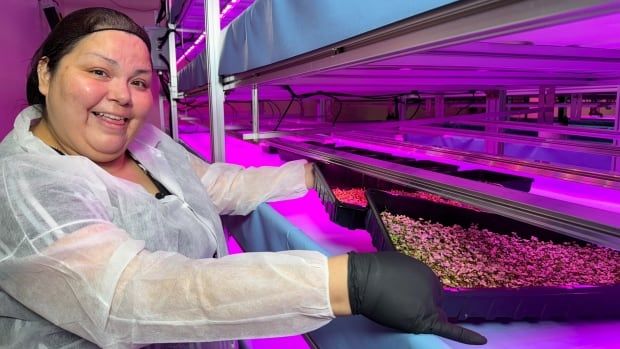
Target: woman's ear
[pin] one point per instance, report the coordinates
(44, 75)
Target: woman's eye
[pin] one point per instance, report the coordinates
(98, 72)
(140, 84)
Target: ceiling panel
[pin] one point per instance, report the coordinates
(143, 12)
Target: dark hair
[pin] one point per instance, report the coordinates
(65, 36)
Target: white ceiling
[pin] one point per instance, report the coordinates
(143, 12)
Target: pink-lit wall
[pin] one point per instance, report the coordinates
(24, 27)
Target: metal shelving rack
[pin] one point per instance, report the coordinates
(444, 35)
(214, 89)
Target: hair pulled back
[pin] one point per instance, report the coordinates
(66, 35)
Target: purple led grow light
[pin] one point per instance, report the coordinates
(229, 12)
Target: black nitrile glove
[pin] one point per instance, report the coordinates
(403, 293)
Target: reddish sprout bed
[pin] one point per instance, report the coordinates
(432, 197)
(355, 196)
(475, 258)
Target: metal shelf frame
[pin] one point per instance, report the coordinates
(436, 34)
(214, 89)
(460, 22)
(386, 138)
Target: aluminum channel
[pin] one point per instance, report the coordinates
(607, 180)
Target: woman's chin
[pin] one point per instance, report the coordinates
(109, 145)
(106, 153)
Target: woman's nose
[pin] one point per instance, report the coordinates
(119, 92)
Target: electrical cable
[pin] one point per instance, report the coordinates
(337, 115)
(275, 105)
(336, 97)
(417, 109)
(294, 96)
(473, 99)
(162, 40)
(350, 95)
(165, 60)
(271, 108)
(284, 114)
(162, 12)
(164, 85)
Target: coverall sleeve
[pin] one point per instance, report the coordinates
(61, 257)
(238, 190)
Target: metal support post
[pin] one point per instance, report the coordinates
(495, 104)
(617, 119)
(615, 166)
(576, 100)
(321, 109)
(174, 92)
(216, 92)
(428, 107)
(162, 114)
(402, 108)
(546, 101)
(562, 110)
(440, 106)
(255, 113)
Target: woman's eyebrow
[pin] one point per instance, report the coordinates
(115, 63)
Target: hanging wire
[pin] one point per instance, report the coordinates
(417, 109)
(473, 99)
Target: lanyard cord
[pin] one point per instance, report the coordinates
(162, 191)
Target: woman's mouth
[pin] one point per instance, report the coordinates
(111, 118)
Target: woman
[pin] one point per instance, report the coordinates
(111, 234)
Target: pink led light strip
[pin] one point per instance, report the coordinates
(202, 36)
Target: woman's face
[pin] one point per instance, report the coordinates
(99, 95)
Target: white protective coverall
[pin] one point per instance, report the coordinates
(86, 257)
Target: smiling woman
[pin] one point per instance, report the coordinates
(111, 234)
(101, 89)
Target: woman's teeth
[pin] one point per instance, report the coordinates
(109, 116)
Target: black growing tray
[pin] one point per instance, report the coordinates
(328, 176)
(355, 151)
(428, 165)
(496, 304)
(286, 155)
(503, 179)
(269, 149)
(352, 150)
(321, 144)
(367, 153)
(290, 156)
(435, 166)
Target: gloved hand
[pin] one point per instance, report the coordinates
(401, 292)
